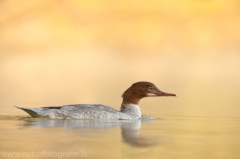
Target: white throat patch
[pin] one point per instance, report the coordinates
(151, 94)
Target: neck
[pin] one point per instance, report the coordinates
(129, 103)
(131, 110)
(130, 100)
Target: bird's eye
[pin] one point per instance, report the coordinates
(149, 88)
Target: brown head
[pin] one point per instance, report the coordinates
(140, 90)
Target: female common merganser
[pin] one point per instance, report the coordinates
(129, 108)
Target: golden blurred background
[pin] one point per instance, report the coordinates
(79, 51)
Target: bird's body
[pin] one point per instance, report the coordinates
(84, 111)
(130, 109)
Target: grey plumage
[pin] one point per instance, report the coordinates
(84, 111)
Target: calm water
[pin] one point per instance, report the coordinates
(162, 138)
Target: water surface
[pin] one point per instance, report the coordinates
(161, 138)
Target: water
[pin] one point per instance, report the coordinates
(161, 138)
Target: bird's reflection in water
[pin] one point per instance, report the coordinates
(131, 134)
(130, 129)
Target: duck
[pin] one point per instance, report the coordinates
(129, 109)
